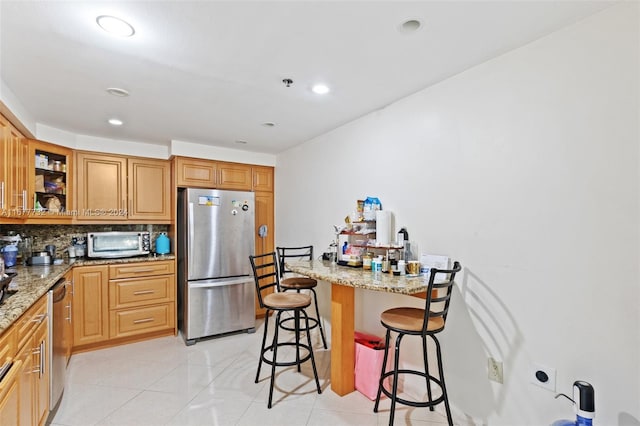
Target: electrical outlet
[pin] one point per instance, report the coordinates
(543, 376)
(495, 370)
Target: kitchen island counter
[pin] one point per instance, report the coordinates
(34, 281)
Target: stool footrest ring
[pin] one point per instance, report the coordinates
(286, 363)
(313, 323)
(433, 379)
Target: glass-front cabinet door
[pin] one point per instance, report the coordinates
(50, 194)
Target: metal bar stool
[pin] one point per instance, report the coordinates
(265, 274)
(299, 283)
(425, 323)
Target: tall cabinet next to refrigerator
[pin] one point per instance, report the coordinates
(215, 239)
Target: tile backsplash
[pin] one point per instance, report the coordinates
(60, 235)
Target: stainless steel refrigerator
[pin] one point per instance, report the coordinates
(215, 284)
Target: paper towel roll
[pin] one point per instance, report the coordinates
(383, 227)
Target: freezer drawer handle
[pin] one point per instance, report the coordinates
(220, 284)
(140, 321)
(137, 293)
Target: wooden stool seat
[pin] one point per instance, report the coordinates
(298, 283)
(410, 320)
(286, 301)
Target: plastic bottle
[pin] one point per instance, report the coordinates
(162, 243)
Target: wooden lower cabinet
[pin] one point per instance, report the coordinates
(24, 390)
(40, 352)
(90, 305)
(117, 303)
(9, 390)
(10, 395)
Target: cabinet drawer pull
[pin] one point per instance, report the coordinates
(140, 321)
(39, 318)
(137, 271)
(137, 293)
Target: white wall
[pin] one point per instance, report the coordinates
(525, 169)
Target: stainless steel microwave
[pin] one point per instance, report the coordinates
(118, 244)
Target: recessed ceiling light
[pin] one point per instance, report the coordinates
(320, 89)
(115, 26)
(268, 124)
(115, 122)
(410, 26)
(115, 91)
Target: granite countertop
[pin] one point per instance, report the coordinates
(359, 277)
(35, 281)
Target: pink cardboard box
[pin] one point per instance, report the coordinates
(369, 357)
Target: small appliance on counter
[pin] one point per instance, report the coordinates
(117, 244)
(39, 258)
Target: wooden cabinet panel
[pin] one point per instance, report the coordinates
(264, 216)
(134, 291)
(26, 387)
(149, 189)
(7, 345)
(143, 269)
(14, 187)
(101, 184)
(128, 322)
(262, 178)
(9, 395)
(90, 305)
(234, 176)
(4, 167)
(27, 323)
(191, 172)
(41, 372)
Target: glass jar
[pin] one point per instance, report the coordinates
(366, 261)
(57, 166)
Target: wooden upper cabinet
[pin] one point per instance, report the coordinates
(13, 171)
(262, 178)
(191, 172)
(116, 188)
(50, 172)
(101, 186)
(149, 189)
(234, 176)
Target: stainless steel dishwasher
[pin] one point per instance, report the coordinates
(60, 313)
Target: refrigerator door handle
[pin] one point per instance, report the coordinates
(219, 283)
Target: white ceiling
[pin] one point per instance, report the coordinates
(211, 71)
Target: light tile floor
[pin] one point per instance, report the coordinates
(164, 382)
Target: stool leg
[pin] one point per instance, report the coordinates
(426, 369)
(275, 357)
(313, 361)
(384, 364)
(315, 301)
(264, 340)
(441, 373)
(297, 332)
(396, 365)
